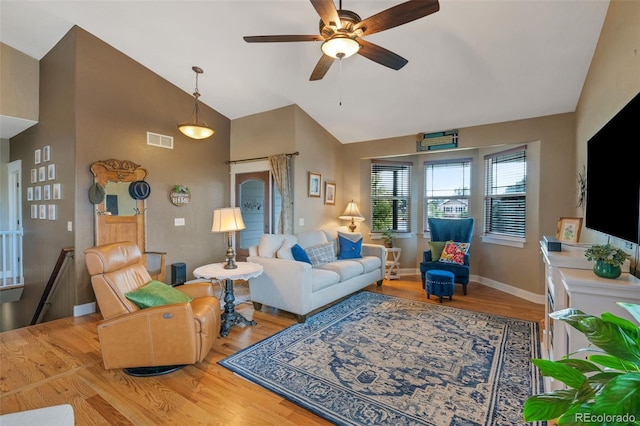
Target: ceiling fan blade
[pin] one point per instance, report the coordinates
(321, 68)
(397, 15)
(281, 38)
(328, 12)
(381, 55)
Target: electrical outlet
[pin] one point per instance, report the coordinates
(628, 245)
(178, 221)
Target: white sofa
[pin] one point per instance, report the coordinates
(297, 287)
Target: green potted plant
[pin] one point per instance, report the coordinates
(608, 260)
(604, 388)
(387, 237)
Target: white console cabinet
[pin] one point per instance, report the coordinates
(571, 283)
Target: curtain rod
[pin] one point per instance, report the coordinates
(259, 158)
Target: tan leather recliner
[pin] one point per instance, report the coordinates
(169, 335)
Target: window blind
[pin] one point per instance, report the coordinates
(505, 192)
(390, 196)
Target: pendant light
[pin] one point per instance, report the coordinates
(194, 129)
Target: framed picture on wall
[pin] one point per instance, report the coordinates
(42, 174)
(30, 193)
(34, 211)
(34, 175)
(46, 192)
(57, 191)
(569, 229)
(51, 171)
(42, 211)
(37, 156)
(46, 153)
(330, 193)
(314, 184)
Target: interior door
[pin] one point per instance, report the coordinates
(253, 197)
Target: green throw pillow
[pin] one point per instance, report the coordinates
(156, 293)
(436, 249)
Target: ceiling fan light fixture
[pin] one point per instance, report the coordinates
(340, 47)
(196, 130)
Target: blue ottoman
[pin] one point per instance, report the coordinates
(440, 284)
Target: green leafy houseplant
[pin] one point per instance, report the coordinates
(387, 237)
(604, 389)
(606, 253)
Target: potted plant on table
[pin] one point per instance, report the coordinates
(608, 260)
(604, 388)
(387, 237)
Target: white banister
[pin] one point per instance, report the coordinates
(11, 253)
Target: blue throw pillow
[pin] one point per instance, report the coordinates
(349, 249)
(299, 254)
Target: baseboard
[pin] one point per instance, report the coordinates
(87, 308)
(523, 294)
(518, 292)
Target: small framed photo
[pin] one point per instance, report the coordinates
(52, 211)
(37, 193)
(314, 184)
(30, 193)
(37, 158)
(42, 211)
(46, 192)
(46, 153)
(34, 175)
(42, 174)
(57, 191)
(34, 211)
(330, 193)
(569, 229)
(51, 172)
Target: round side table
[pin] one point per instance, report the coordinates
(244, 271)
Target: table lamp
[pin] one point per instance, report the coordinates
(353, 214)
(228, 219)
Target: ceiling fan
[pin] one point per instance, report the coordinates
(341, 32)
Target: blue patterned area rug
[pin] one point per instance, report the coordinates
(374, 359)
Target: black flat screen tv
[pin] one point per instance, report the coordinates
(613, 176)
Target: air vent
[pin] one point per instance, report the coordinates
(162, 141)
(438, 140)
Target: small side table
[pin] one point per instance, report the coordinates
(393, 263)
(244, 271)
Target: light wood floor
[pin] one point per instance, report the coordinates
(59, 362)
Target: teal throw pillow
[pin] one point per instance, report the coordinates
(156, 293)
(349, 249)
(299, 254)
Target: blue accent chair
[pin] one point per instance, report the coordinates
(457, 230)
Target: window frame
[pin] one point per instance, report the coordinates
(400, 197)
(466, 169)
(517, 200)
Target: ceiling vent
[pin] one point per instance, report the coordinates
(162, 141)
(436, 141)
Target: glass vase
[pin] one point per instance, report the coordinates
(606, 270)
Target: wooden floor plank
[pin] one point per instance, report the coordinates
(59, 362)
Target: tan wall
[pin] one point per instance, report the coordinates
(613, 80)
(19, 83)
(287, 130)
(96, 104)
(550, 192)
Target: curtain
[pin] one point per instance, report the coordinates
(280, 171)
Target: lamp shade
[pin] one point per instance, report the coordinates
(340, 46)
(352, 212)
(196, 131)
(227, 219)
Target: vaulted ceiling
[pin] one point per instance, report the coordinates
(473, 62)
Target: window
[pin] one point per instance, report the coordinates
(447, 186)
(390, 196)
(505, 192)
